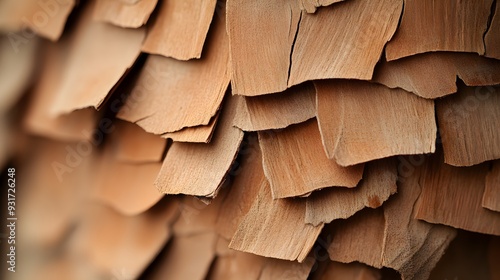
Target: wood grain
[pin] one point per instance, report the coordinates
(124, 14)
(453, 195)
(348, 40)
(167, 95)
(449, 25)
(180, 28)
(208, 164)
(275, 228)
(468, 124)
(260, 59)
(390, 236)
(295, 163)
(378, 183)
(295, 105)
(360, 121)
(434, 74)
(414, 248)
(491, 195)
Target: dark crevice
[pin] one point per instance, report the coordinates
(488, 25)
(292, 48)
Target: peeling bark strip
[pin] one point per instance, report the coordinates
(390, 236)
(379, 182)
(442, 203)
(446, 25)
(295, 163)
(167, 96)
(258, 232)
(310, 6)
(350, 114)
(260, 57)
(195, 134)
(295, 105)
(491, 195)
(124, 14)
(344, 40)
(208, 164)
(469, 124)
(434, 74)
(180, 28)
(98, 55)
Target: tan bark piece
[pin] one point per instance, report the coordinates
(231, 264)
(434, 74)
(180, 28)
(363, 230)
(76, 126)
(127, 187)
(415, 248)
(129, 15)
(260, 58)
(295, 163)
(237, 265)
(360, 121)
(295, 105)
(379, 182)
(448, 25)
(194, 134)
(390, 236)
(196, 250)
(116, 243)
(492, 37)
(491, 195)
(282, 269)
(99, 54)
(196, 216)
(453, 195)
(199, 169)
(44, 18)
(56, 175)
(275, 228)
(310, 6)
(243, 191)
(16, 71)
(133, 145)
(468, 124)
(348, 40)
(170, 95)
(353, 271)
